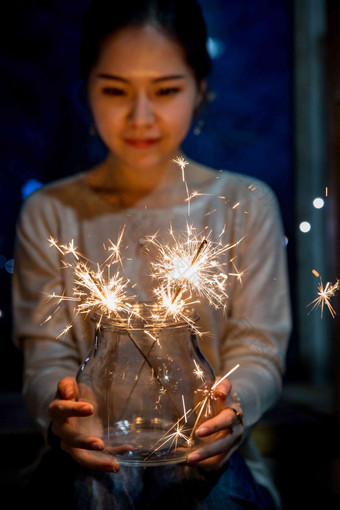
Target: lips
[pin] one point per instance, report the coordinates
(142, 143)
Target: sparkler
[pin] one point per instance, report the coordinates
(172, 437)
(176, 431)
(189, 268)
(182, 164)
(225, 376)
(95, 289)
(325, 293)
(198, 372)
(191, 263)
(209, 396)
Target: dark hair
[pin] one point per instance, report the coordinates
(182, 20)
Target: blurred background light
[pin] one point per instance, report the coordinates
(216, 48)
(30, 186)
(305, 226)
(318, 203)
(9, 266)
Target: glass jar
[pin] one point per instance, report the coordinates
(150, 387)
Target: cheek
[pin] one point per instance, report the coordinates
(181, 119)
(107, 120)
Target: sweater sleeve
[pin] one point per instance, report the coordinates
(38, 274)
(259, 319)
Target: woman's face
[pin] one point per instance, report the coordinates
(142, 95)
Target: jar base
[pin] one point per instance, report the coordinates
(140, 443)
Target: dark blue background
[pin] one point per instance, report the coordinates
(44, 127)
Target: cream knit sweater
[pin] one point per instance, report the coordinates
(254, 331)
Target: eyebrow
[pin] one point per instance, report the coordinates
(156, 80)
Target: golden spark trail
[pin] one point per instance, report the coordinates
(199, 249)
(203, 404)
(182, 164)
(198, 372)
(225, 376)
(325, 293)
(188, 265)
(96, 290)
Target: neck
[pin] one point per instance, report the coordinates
(126, 187)
(130, 180)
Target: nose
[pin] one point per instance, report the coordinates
(141, 112)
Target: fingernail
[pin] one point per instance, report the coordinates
(203, 431)
(194, 457)
(220, 394)
(96, 445)
(86, 408)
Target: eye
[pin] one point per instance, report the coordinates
(113, 91)
(168, 91)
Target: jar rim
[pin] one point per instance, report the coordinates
(144, 315)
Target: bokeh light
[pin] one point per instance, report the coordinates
(305, 226)
(215, 47)
(30, 186)
(318, 203)
(9, 266)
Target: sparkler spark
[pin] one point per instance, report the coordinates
(203, 407)
(188, 269)
(185, 412)
(191, 264)
(54, 242)
(225, 376)
(182, 164)
(325, 293)
(172, 438)
(191, 267)
(198, 372)
(95, 289)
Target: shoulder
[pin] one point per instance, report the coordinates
(55, 196)
(48, 206)
(247, 203)
(247, 188)
(234, 186)
(61, 190)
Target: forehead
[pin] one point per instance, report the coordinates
(141, 52)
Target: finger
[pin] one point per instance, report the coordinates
(72, 438)
(88, 459)
(227, 442)
(221, 388)
(67, 388)
(120, 450)
(60, 410)
(224, 420)
(217, 461)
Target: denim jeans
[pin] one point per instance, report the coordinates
(60, 483)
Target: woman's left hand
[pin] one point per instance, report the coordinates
(228, 427)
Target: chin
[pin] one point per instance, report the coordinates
(149, 164)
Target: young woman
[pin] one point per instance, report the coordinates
(144, 65)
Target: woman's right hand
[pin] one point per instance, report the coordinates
(65, 413)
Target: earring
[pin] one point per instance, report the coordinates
(198, 128)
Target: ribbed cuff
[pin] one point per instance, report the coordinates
(248, 400)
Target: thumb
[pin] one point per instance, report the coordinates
(67, 389)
